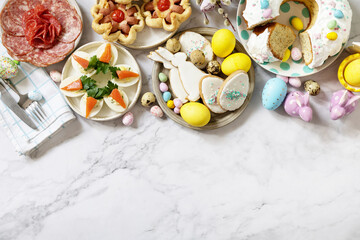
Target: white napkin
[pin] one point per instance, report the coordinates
(24, 138)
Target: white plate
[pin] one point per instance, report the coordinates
(290, 68)
(132, 92)
(148, 37)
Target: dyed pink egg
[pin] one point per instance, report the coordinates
(163, 87)
(295, 82)
(178, 103)
(177, 110)
(296, 54)
(285, 79)
(156, 111)
(55, 76)
(128, 119)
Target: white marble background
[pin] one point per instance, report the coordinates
(265, 176)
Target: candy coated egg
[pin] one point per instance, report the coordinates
(223, 42)
(338, 14)
(176, 110)
(166, 96)
(163, 87)
(234, 62)
(195, 114)
(286, 55)
(170, 104)
(178, 103)
(55, 76)
(34, 95)
(285, 79)
(332, 36)
(297, 23)
(352, 73)
(264, 4)
(312, 87)
(296, 54)
(332, 24)
(274, 93)
(156, 111)
(163, 77)
(128, 119)
(295, 82)
(147, 99)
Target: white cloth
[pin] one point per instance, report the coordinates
(24, 138)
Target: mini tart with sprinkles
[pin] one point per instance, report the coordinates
(233, 91)
(117, 21)
(166, 14)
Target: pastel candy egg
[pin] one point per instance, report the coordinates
(296, 54)
(156, 111)
(286, 55)
(55, 76)
(163, 77)
(128, 119)
(264, 4)
(178, 103)
(176, 110)
(295, 82)
(195, 114)
(34, 95)
(332, 24)
(285, 79)
(163, 87)
(274, 93)
(267, 13)
(170, 104)
(332, 36)
(297, 23)
(338, 14)
(352, 73)
(166, 96)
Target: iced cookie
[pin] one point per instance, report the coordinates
(209, 89)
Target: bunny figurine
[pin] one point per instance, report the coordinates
(297, 104)
(343, 102)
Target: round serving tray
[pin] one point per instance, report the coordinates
(217, 120)
(133, 92)
(290, 68)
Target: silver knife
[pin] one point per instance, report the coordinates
(8, 100)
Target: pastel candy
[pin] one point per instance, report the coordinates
(178, 103)
(286, 55)
(166, 96)
(128, 119)
(295, 82)
(267, 13)
(264, 4)
(163, 87)
(156, 111)
(332, 24)
(332, 36)
(296, 54)
(338, 14)
(162, 77)
(177, 110)
(297, 23)
(170, 104)
(55, 76)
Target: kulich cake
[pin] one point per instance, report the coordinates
(326, 33)
(269, 43)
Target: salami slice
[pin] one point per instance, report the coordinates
(41, 58)
(71, 27)
(17, 45)
(60, 49)
(11, 24)
(33, 3)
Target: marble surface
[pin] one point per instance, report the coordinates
(264, 176)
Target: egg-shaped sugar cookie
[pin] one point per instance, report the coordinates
(209, 89)
(234, 91)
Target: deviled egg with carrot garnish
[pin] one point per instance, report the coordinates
(72, 87)
(80, 62)
(117, 100)
(107, 53)
(90, 106)
(126, 76)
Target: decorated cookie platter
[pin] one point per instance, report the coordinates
(290, 68)
(217, 120)
(128, 88)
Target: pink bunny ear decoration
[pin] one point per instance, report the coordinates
(297, 104)
(343, 102)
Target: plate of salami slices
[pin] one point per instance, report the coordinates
(41, 32)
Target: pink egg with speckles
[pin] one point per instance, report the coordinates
(128, 119)
(177, 110)
(285, 79)
(178, 103)
(156, 111)
(296, 54)
(295, 82)
(163, 87)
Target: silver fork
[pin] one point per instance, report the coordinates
(33, 108)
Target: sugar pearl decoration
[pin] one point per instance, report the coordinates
(34, 95)
(156, 111)
(128, 119)
(163, 87)
(295, 82)
(296, 54)
(55, 76)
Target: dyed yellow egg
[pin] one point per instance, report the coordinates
(223, 42)
(195, 114)
(332, 36)
(297, 23)
(170, 104)
(234, 62)
(352, 73)
(286, 55)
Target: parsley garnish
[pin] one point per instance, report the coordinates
(95, 63)
(88, 83)
(93, 91)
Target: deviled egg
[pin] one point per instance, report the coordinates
(107, 53)
(127, 76)
(72, 87)
(80, 61)
(117, 101)
(90, 106)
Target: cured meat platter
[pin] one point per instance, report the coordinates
(41, 33)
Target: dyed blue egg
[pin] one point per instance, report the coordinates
(338, 14)
(274, 93)
(35, 96)
(166, 96)
(264, 4)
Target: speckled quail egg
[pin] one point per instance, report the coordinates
(312, 87)
(173, 45)
(213, 67)
(148, 99)
(197, 57)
